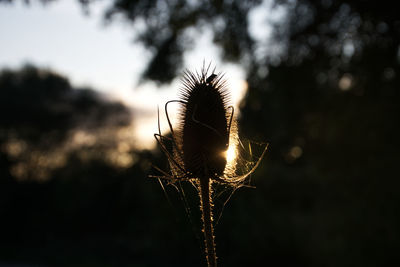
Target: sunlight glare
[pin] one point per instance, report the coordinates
(231, 153)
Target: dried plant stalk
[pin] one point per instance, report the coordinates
(204, 139)
(201, 142)
(207, 218)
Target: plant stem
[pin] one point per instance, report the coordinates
(208, 230)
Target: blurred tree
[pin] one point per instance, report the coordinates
(324, 91)
(167, 29)
(36, 101)
(41, 112)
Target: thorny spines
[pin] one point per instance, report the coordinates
(233, 176)
(206, 207)
(192, 81)
(204, 136)
(200, 143)
(204, 118)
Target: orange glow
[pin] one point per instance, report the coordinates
(231, 154)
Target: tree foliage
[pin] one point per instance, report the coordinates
(323, 91)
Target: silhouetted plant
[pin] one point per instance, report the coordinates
(205, 135)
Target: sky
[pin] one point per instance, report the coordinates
(104, 57)
(84, 50)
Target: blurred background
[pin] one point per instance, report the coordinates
(80, 82)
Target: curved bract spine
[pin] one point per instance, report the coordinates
(206, 129)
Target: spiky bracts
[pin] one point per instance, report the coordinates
(204, 139)
(204, 131)
(197, 151)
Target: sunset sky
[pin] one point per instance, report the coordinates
(104, 57)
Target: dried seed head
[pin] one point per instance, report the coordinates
(206, 138)
(204, 133)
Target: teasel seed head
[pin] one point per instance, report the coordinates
(204, 123)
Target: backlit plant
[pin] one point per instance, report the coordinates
(204, 144)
